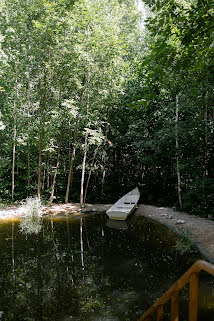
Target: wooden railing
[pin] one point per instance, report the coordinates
(191, 277)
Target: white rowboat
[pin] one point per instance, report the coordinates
(124, 206)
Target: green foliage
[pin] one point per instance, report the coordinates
(185, 243)
(71, 68)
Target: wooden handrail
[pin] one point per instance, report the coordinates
(191, 277)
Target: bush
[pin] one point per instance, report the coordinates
(32, 207)
(32, 221)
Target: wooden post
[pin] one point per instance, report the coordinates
(193, 297)
(175, 306)
(160, 313)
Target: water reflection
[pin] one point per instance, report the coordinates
(31, 225)
(80, 269)
(120, 225)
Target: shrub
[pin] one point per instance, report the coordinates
(31, 209)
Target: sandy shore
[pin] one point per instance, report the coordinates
(201, 229)
(15, 211)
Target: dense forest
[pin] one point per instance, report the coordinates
(97, 97)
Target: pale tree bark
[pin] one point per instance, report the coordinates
(104, 158)
(177, 152)
(85, 147)
(39, 167)
(83, 169)
(89, 175)
(47, 169)
(103, 175)
(56, 169)
(95, 184)
(41, 134)
(28, 140)
(44, 172)
(70, 174)
(28, 170)
(14, 132)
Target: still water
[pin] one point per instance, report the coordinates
(83, 268)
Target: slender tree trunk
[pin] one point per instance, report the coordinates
(43, 180)
(69, 150)
(83, 169)
(89, 175)
(51, 170)
(14, 133)
(13, 164)
(56, 169)
(95, 184)
(85, 145)
(177, 152)
(44, 172)
(70, 174)
(48, 161)
(143, 171)
(103, 179)
(103, 172)
(39, 166)
(28, 169)
(42, 121)
(104, 159)
(28, 141)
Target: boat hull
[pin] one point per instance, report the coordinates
(119, 215)
(124, 206)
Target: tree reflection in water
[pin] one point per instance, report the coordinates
(77, 268)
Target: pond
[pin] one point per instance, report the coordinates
(80, 267)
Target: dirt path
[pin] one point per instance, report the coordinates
(201, 229)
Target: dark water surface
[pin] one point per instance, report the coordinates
(78, 268)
